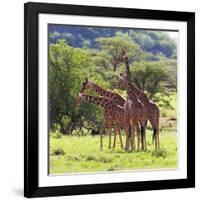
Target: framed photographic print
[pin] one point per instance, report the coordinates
(109, 99)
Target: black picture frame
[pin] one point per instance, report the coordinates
(31, 12)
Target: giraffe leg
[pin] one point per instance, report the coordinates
(139, 138)
(138, 134)
(115, 135)
(142, 137)
(133, 136)
(145, 142)
(156, 139)
(130, 136)
(120, 137)
(145, 135)
(110, 134)
(101, 138)
(158, 134)
(154, 136)
(156, 144)
(127, 138)
(127, 130)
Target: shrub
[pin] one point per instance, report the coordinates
(90, 158)
(111, 168)
(57, 135)
(57, 152)
(55, 132)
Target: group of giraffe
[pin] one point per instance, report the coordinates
(130, 114)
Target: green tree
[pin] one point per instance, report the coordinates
(67, 69)
(114, 46)
(150, 76)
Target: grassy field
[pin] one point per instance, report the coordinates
(71, 154)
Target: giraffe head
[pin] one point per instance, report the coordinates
(121, 80)
(78, 100)
(86, 85)
(122, 57)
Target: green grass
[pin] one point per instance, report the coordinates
(71, 154)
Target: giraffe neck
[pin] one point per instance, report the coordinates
(128, 74)
(102, 91)
(101, 101)
(132, 87)
(134, 92)
(131, 93)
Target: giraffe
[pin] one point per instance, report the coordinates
(152, 111)
(136, 112)
(113, 114)
(87, 84)
(117, 99)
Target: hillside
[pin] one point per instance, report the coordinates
(155, 42)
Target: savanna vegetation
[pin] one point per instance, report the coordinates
(76, 53)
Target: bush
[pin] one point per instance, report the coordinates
(57, 152)
(57, 134)
(111, 168)
(65, 120)
(90, 158)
